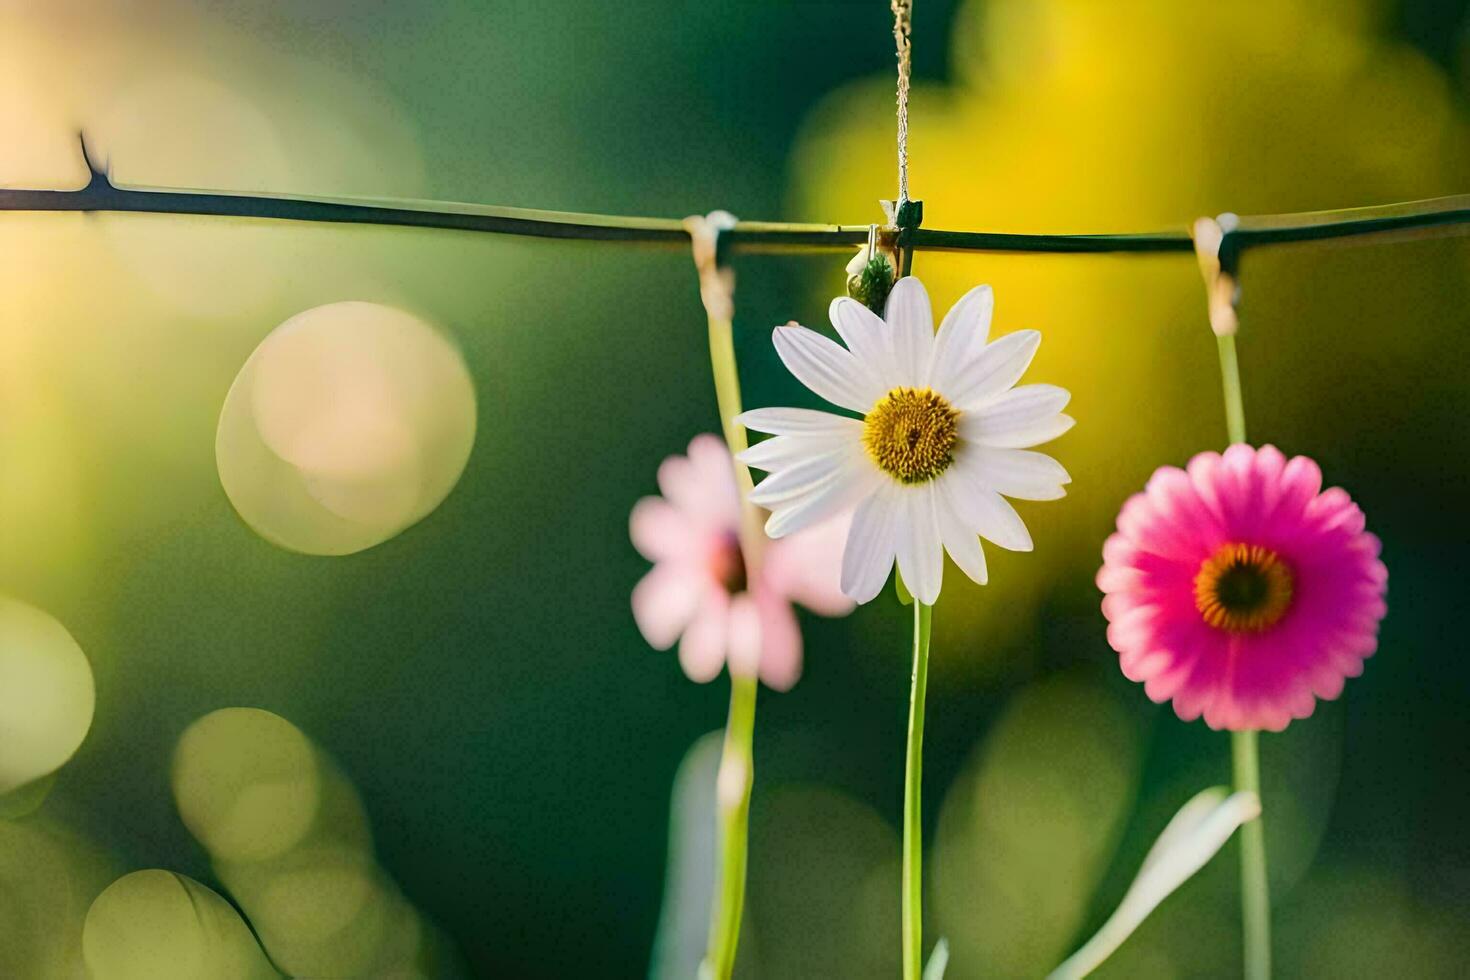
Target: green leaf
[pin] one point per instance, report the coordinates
(689, 883)
(938, 961)
(1197, 832)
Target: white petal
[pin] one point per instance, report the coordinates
(992, 516)
(910, 331)
(1018, 473)
(1195, 835)
(960, 540)
(962, 336)
(1022, 417)
(866, 335)
(920, 552)
(868, 556)
(854, 481)
(783, 452)
(827, 368)
(800, 478)
(797, 422)
(999, 366)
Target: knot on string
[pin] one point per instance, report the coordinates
(904, 217)
(1222, 287)
(716, 278)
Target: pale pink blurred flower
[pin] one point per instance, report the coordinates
(1241, 590)
(697, 591)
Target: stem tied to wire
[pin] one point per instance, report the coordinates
(1222, 289)
(737, 760)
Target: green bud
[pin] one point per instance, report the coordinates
(871, 286)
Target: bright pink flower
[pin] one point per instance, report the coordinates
(697, 591)
(1241, 590)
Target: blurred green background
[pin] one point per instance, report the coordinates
(478, 678)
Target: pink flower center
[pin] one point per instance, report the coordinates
(727, 565)
(1243, 588)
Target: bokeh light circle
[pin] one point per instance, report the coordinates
(46, 694)
(349, 423)
(247, 783)
(152, 924)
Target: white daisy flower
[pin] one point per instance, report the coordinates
(942, 441)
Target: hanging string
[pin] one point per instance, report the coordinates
(903, 27)
(906, 214)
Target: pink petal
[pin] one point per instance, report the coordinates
(780, 660)
(664, 601)
(806, 567)
(1179, 521)
(702, 650)
(702, 484)
(660, 531)
(745, 636)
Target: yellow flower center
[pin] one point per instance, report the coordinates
(911, 434)
(1243, 588)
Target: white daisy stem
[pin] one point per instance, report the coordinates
(737, 762)
(913, 841)
(1255, 896)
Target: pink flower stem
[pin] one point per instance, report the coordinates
(1255, 895)
(1230, 376)
(913, 843)
(737, 761)
(732, 794)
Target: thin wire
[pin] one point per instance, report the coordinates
(903, 29)
(1434, 218)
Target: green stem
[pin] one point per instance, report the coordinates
(737, 762)
(913, 841)
(733, 796)
(727, 394)
(1255, 895)
(1230, 378)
